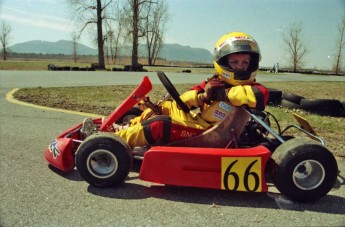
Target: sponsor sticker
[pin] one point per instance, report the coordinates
(227, 75)
(186, 134)
(219, 114)
(225, 106)
(54, 149)
(241, 39)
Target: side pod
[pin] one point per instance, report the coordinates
(216, 168)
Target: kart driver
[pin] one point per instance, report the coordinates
(236, 61)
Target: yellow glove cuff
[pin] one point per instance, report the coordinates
(242, 95)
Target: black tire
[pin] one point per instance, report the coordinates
(130, 114)
(172, 91)
(51, 66)
(288, 104)
(328, 107)
(104, 160)
(342, 110)
(303, 170)
(273, 143)
(275, 97)
(126, 68)
(74, 68)
(115, 69)
(292, 97)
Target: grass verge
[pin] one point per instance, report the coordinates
(103, 99)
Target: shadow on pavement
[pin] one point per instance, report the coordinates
(218, 198)
(73, 175)
(134, 189)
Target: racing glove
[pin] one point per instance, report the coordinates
(214, 91)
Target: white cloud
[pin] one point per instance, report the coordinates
(48, 15)
(43, 21)
(279, 30)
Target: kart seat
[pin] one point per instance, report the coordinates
(224, 134)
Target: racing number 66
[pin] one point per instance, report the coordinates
(241, 174)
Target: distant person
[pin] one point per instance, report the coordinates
(276, 68)
(273, 69)
(236, 61)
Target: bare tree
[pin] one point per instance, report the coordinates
(114, 34)
(135, 25)
(108, 39)
(92, 12)
(297, 50)
(75, 38)
(117, 37)
(155, 27)
(340, 44)
(5, 38)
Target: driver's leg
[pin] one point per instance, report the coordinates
(153, 131)
(159, 130)
(133, 135)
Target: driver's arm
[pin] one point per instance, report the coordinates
(255, 96)
(192, 98)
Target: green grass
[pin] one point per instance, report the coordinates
(37, 65)
(102, 100)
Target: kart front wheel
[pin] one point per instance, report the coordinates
(103, 160)
(304, 170)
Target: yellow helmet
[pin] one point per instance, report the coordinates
(236, 42)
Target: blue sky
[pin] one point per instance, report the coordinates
(199, 23)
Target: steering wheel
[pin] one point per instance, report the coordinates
(172, 91)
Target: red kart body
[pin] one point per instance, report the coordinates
(216, 168)
(60, 152)
(211, 160)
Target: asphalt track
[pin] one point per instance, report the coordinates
(32, 194)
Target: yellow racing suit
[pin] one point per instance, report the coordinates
(174, 124)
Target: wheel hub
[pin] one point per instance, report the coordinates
(102, 163)
(308, 174)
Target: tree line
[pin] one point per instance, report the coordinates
(113, 22)
(297, 49)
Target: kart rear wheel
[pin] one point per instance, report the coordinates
(304, 170)
(130, 114)
(104, 160)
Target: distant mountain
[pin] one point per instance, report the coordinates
(177, 52)
(45, 47)
(172, 52)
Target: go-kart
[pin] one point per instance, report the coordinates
(240, 153)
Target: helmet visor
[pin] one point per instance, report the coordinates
(232, 45)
